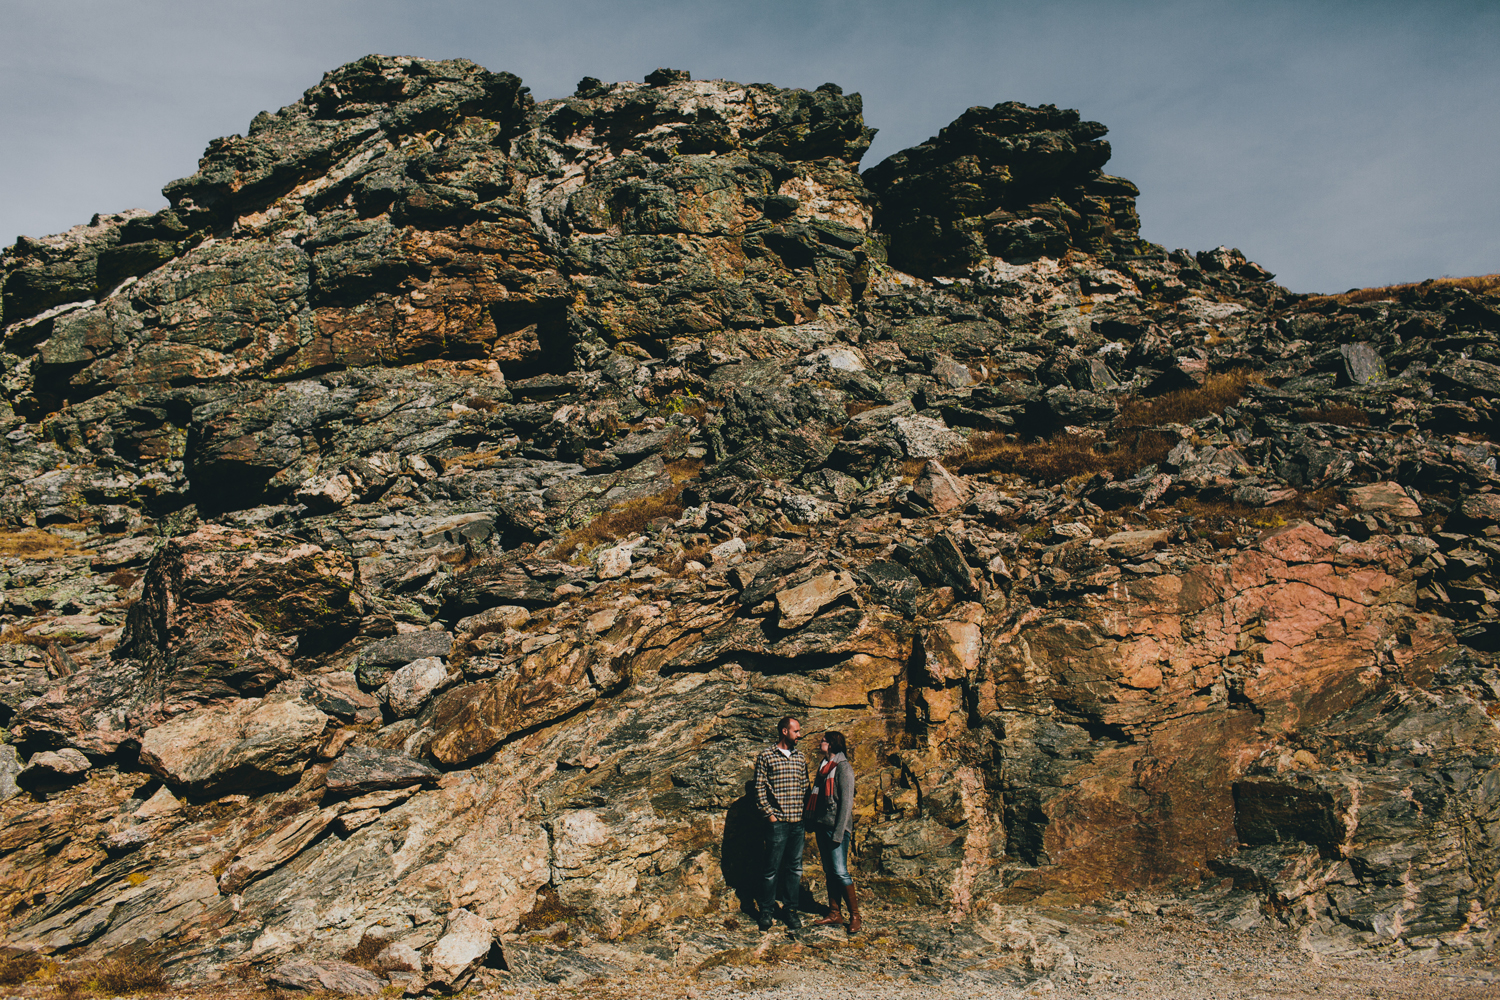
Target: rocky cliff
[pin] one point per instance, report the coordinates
(411, 534)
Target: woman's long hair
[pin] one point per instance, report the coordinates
(836, 742)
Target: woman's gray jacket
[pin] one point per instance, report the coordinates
(843, 798)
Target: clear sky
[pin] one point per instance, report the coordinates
(1339, 144)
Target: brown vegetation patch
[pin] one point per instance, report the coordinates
(10, 635)
(363, 954)
(674, 562)
(684, 470)
(479, 459)
(123, 578)
(547, 910)
(18, 966)
(1062, 457)
(481, 403)
(1183, 405)
(1478, 284)
(1221, 516)
(626, 520)
(122, 974)
(34, 543)
(1343, 415)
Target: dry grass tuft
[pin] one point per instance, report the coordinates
(69, 986)
(673, 562)
(1478, 284)
(18, 966)
(1343, 415)
(547, 910)
(1221, 516)
(363, 954)
(123, 974)
(626, 520)
(633, 516)
(1183, 405)
(481, 403)
(684, 470)
(1061, 458)
(10, 635)
(34, 543)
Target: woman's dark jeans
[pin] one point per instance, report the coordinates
(835, 863)
(783, 858)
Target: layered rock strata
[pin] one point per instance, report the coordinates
(423, 521)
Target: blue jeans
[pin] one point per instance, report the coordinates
(835, 863)
(783, 859)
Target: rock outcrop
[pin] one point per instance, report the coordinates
(411, 535)
(1009, 181)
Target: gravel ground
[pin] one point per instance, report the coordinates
(908, 954)
(1153, 958)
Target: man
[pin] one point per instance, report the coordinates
(780, 790)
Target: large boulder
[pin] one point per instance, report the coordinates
(460, 951)
(1010, 181)
(224, 610)
(245, 744)
(51, 770)
(377, 661)
(413, 685)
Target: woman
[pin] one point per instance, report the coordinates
(830, 812)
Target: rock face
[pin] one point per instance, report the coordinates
(439, 503)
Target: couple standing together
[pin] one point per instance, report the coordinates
(782, 793)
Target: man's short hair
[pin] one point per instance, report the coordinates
(785, 724)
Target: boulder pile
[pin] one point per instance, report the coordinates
(410, 535)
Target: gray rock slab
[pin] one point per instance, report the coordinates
(328, 975)
(381, 658)
(369, 769)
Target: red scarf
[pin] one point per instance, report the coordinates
(825, 778)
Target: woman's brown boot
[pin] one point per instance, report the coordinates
(853, 898)
(835, 915)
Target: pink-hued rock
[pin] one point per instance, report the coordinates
(938, 489)
(1301, 624)
(460, 951)
(244, 744)
(1384, 498)
(799, 604)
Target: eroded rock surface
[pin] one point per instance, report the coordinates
(411, 535)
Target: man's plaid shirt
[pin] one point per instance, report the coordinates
(781, 784)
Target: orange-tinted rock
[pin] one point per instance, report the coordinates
(1194, 675)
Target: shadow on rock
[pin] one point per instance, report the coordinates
(742, 856)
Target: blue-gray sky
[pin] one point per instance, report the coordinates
(1339, 144)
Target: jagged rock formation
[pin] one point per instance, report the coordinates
(1008, 181)
(420, 523)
